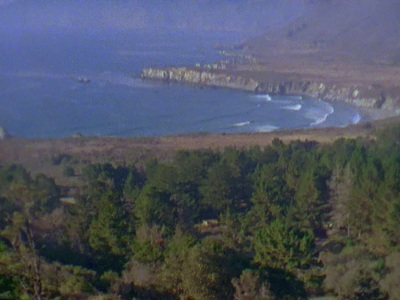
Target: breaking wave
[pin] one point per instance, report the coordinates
(266, 128)
(319, 116)
(356, 118)
(265, 97)
(241, 124)
(294, 97)
(293, 107)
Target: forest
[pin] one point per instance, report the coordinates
(292, 220)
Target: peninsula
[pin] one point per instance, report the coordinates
(330, 55)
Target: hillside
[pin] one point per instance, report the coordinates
(365, 31)
(295, 220)
(336, 51)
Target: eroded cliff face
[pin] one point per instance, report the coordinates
(201, 77)
(363, 96)
(358, 95)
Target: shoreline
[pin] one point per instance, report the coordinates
(269, 79)
(376, 102)
(38, 154)
(198, 77)
(365, 114)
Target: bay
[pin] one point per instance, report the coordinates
(55, 84)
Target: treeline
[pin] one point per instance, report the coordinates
(285, 222)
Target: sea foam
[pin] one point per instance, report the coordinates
(266, 128)
(265, 97)
(356, 118)
(319, 116)
(241, 124)
(293, 107)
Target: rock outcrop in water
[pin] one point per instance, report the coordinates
(359, 95)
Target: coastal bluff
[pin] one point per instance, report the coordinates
(201, 77)
(366, 96)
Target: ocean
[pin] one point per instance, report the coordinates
(53, 85)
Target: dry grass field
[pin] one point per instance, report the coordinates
(51, 156)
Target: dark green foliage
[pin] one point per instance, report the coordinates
(312, 200)
(192, 166)
(176, 256)
(50, 193)
(285, 285)
(218, 188)
(61, 159)
(36, 196)
(6, 212)
(154, 207)
(133, 183)
(20, 260)
(392, 177)
(106, 174)
(271, 197)
(13, 174)
(339, 153)
(68, 171)
(228, 183)
(9, 286)
(149, 244)
(278, 246)
(393, 222)
(389, 138)
(208, 271)
(111, 282)
(73, 281)
(285, 252)
(268, 155)
(358, 163)
(290, 221)
(97, 172)
(106, 231)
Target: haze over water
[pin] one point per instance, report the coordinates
(41, 95)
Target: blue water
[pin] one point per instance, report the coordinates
(41, 96)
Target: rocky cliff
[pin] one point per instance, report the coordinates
(201, 77)
(360, 95)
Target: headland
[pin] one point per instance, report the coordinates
(338, 51)
(372, 88)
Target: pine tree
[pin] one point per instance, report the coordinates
(278, 246)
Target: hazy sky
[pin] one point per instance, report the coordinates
(252, 16)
